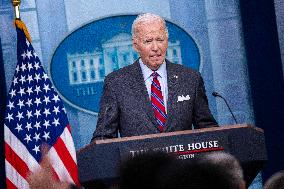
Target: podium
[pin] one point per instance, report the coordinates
(100, 161)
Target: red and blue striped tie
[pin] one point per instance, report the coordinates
(158, 102)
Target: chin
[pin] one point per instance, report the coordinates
(156, 66)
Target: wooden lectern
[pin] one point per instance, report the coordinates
(101, 160)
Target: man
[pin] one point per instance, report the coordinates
(152, 95)
(213, 170)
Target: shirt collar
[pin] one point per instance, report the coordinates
(162, 71)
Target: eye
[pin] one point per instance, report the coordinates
(160, 39)
(148, 41)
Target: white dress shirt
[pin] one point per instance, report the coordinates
(162, 71)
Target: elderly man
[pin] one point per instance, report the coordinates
(152, 95)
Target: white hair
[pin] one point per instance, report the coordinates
(147, 17)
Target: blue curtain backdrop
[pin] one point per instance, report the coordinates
(2, 110)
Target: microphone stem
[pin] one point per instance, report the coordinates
(229, 109)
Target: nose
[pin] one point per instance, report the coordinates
(154, 46)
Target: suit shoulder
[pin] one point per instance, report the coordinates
(182, 70)
(120, 74)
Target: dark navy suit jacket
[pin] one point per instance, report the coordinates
(125, 105)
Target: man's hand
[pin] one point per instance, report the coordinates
(43, 177)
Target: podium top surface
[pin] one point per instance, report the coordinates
(185, 132)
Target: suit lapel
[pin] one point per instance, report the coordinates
(172, 77)
(140, 89)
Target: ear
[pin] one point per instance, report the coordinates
(135, 44)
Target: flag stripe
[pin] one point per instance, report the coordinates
(58, 166)
(67, 159)
(19, 165)
(69, 128)
(67, 137)
(14, 177)
(20, 150)
(9, 184)
(55, 174)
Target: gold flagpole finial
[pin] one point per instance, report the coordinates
(16, 4)
(18, 23)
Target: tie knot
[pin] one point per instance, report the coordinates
(155, 75)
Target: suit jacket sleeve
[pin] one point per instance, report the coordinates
(108, 118)
(202, 117)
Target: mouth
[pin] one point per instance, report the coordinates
(155, 56)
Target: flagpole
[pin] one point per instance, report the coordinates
(16, 4)
(18, 23)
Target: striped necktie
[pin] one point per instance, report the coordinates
(158, 102)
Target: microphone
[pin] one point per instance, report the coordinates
(215, 94)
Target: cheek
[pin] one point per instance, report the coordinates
(164, 47)
(145, 51)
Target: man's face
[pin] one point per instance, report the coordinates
(151, 43)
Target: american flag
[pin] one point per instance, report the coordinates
(35, 115)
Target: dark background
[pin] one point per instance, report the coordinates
(266, 77)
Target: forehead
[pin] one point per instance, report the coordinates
(150, 27)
